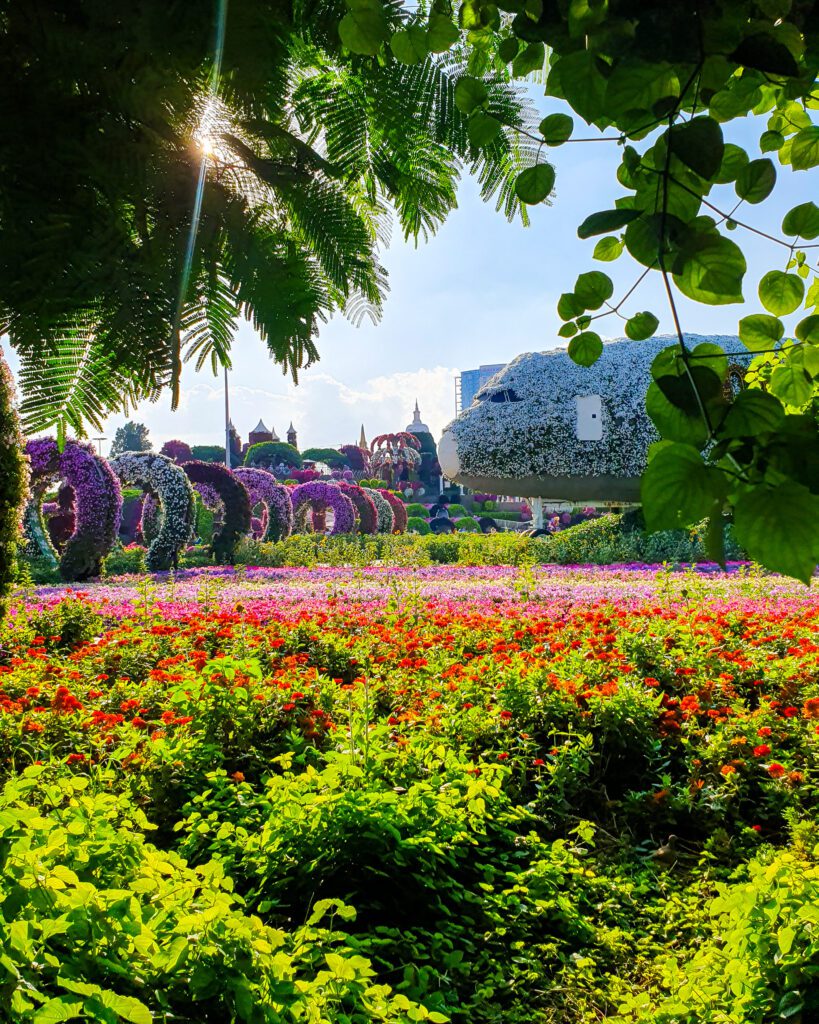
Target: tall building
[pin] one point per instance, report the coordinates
(471, 381)
(260, 433)
(292, 437)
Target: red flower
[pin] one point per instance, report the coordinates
(764, 731)
(762, 750)
(756, 828)
(75, 758)
(503, 756)
(775, 770)
(506, 715)
(538, 762)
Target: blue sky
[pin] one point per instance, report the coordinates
(481, 291)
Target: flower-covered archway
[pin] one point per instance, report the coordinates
(386, 518)
(322, 497)
(233, 495)
(395, 456)
(277, 522)
(158, 475)
(399, 511)
(366, 512)
(97, 501)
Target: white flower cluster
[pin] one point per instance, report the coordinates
(160, 476)
(524, 421)
(386, 517)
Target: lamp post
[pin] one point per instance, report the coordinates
(227, 423)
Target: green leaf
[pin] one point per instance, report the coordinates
(535, 183)
(636, 86)
(568, 306)
(781, 293)
(608, 249)
(756, 180)
(763, 52)
(802, 220)
(363, 29)
(712, 269)
(56, 1010)
(790, 383)
(556, 129)
(805, 149)
(127, 1007)
(508, 49)
(771, 142)
(641, 326)
(807, 330)
(482, 128)
(759, 331)
(678, 488)
(577, 79)
(593, 288)
(779, 527)
(585, 348)
(672, 423)
(734, 158)
(442, 33)
(470, 94)
(699, 144)
(531, 58)
(606, 220)
(567, 330)
(410, 46)
(753, 412)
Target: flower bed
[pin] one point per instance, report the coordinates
(328, 775)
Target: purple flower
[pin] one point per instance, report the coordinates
(324, 496)
(277, 520)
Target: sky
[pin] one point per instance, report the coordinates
(480, 291)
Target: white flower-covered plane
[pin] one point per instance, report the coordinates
(544, 427)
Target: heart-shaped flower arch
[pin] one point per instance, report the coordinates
(263, 489)
(161, 477)
(97, 499)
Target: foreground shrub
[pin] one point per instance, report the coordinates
(415, 524)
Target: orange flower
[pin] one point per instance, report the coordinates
(727, 769)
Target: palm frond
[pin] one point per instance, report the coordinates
(73, 381)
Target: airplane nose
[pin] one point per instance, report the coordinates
(448, 455)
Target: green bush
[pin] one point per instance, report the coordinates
(415, 524)
(508, 517)
(123, 560)
(415, 508)
(271, 453)
(457, 510)
(329, 456)
(467, 525)
(209, 453)
(618, 538)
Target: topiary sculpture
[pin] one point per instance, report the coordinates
(170, 487)
(233, 495)
(366, 512)
(323, 497)
(386, 518)
(98, 502)
(399, 511)
(262, 489)
(14, 477)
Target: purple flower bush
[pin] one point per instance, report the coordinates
(98, 501)
(262, 489)
(323, 497)
(169, 485)
(177, 451)
(233, 495)
(366, 512)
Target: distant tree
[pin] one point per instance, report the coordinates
(178, 451)
(132, 437)
(235, 447)
(331, 457)
(208, 452)
(270, 453)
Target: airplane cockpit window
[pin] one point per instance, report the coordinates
(499, 395)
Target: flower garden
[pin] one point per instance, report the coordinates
(457, 792)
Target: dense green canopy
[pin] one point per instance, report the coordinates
(109, 115)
